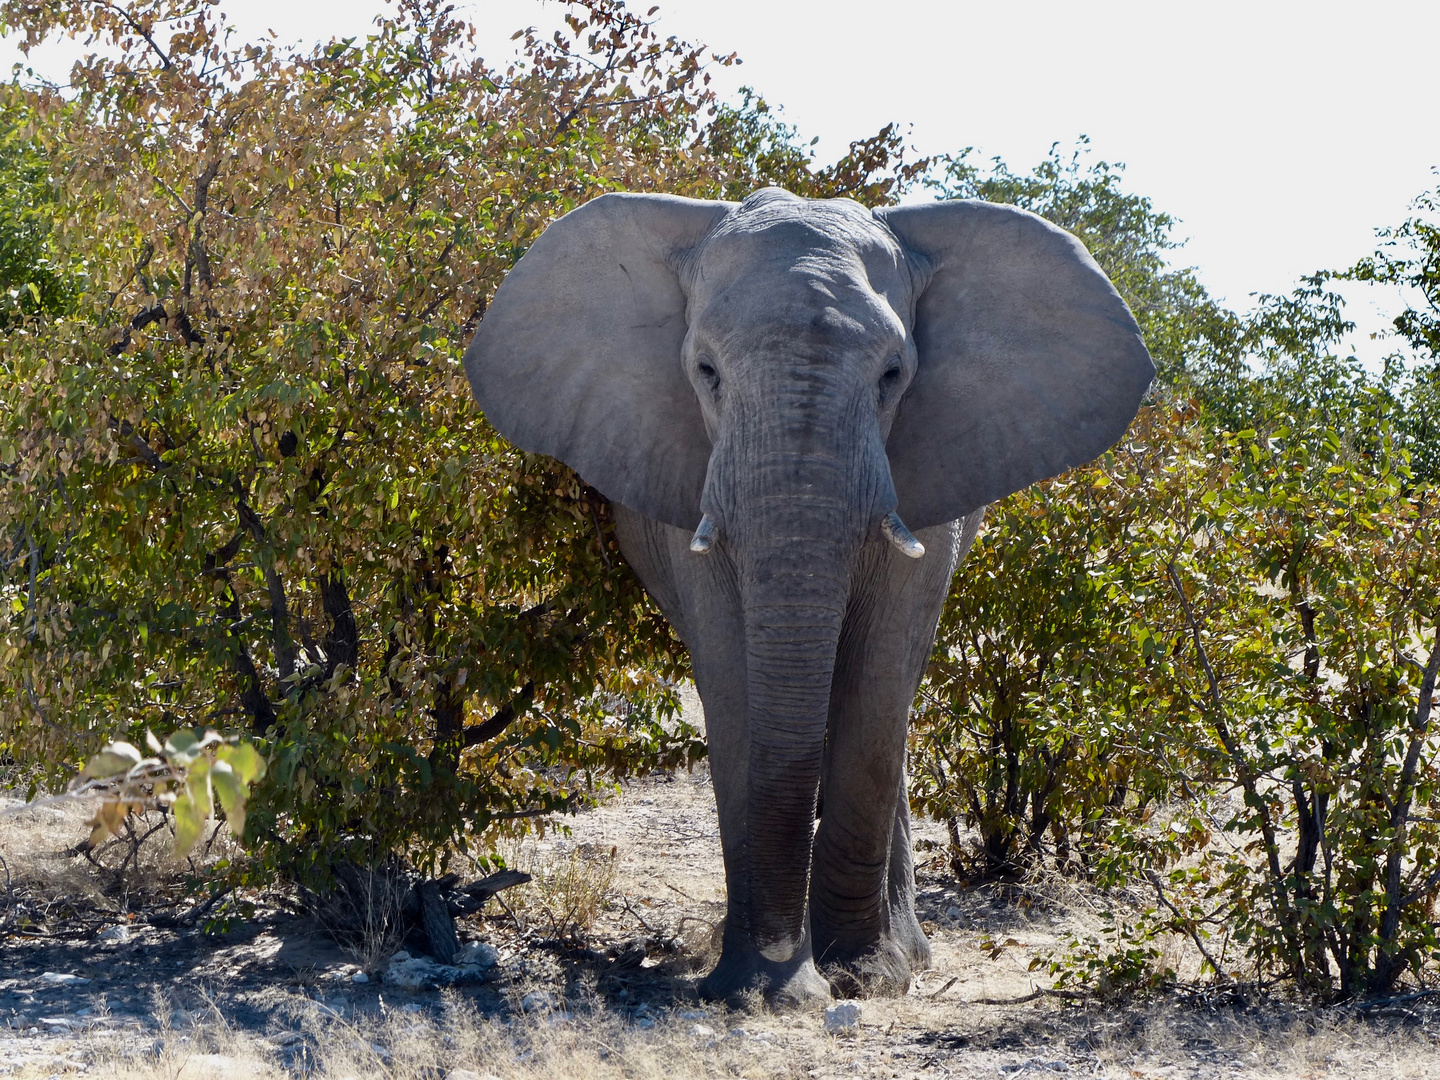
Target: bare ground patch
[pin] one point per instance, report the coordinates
(597, 960)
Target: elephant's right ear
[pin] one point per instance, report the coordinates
(1030, 362)
(578, 355)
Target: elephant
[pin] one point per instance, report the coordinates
(798, 409)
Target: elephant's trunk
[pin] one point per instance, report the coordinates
(794, 521)
(793, 613)
(793, 502)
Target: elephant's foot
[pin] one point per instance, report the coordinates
(877, 967)
(793, 983)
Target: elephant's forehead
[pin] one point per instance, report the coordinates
(803, 301)
(822, 269)
(779, 233)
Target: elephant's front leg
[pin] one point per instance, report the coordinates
(862, 906)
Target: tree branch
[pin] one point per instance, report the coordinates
(503, 718)
(139, 29)
(1188, 925)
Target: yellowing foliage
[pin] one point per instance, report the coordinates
(244, 482)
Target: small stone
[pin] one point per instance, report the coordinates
(118, 934)
(61, 978)
(469, 1074)
(689, 1014)
(359, 977)
(418, 973)
(478, 954)
(537, 1001)
(844, 1016)
(645, 1023)
(954, 913)
(702, 1031)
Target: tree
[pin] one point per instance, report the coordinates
(30, 283)
(1300, 650)
(244, 482)
(759, 149)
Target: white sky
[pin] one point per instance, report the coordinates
(1281, 133)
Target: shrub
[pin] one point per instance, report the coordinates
(244, 482)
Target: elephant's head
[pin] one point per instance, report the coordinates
(790, 378)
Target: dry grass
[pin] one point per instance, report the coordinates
(588, 1040)
(44, 844)
(943, 1028)
(569, 886)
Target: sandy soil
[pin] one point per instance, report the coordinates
(276, 997)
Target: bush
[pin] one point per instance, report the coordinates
(245, 485)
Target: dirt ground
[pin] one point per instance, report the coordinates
(274, 997)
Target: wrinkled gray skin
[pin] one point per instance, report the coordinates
(783, 375)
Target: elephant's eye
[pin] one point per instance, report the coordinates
(889, 380)
(709, 374)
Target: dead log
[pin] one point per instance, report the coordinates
(437, 923)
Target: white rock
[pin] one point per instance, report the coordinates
(117, 934)
(537, 1001)
(418, 973)
(61, 978)
(702, 1031)
(478, 954)
(359, 977)
(844, 1016)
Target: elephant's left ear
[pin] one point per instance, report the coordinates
(1029, 360)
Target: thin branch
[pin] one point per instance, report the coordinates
(135, 25)
(1399, 818)
(1189, 926)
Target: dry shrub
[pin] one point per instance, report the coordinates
(568, 889)
(364, 910)
(47, 859)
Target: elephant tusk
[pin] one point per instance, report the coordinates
(704, 536)
(894, 530)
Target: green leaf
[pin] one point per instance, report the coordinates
(116, 759)
(231, 792)
(245, 760)
(189, 824)
(182, 748)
